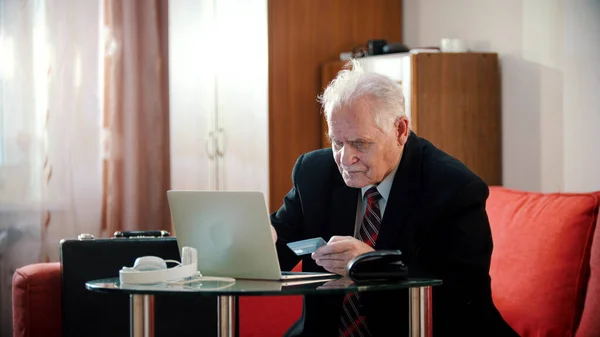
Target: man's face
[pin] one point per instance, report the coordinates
(362, 151)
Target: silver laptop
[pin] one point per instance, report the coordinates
(231, 232)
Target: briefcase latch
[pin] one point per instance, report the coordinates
(142, 234)
(85, 236)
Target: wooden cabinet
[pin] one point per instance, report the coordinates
(452, 99)
(219, 114)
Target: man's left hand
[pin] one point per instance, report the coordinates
(336, 254)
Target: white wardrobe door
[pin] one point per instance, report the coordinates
(242, 95)
(192, 94)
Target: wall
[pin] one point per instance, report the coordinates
(581, 100)
(549, 52)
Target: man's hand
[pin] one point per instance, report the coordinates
(274, 234)
(334, 256)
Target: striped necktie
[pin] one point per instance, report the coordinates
(353, 323)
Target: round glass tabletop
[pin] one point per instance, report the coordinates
(246, 287)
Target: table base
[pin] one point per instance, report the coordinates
(141, 322)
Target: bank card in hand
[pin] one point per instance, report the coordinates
(307, 246)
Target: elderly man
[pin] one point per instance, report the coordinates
(418, 199)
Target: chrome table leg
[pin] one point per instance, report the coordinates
(419, 312)
(226, 316)
(141, 315)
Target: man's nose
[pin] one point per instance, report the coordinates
(348, 156)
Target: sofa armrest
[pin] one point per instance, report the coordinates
(36, 294)
(589, 326)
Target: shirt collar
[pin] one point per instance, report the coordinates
(384, 187)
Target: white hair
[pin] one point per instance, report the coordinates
(353, 83)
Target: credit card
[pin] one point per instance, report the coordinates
(307, 246)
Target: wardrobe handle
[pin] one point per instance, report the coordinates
(210, 140)
(220, 142)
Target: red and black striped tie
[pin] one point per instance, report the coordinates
(353, 323)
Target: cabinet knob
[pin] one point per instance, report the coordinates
(210, 141)
(220, 142)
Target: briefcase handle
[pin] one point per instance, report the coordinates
(142, 234)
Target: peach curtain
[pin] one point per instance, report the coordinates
(136, 121)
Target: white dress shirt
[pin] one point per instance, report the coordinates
(384, 188)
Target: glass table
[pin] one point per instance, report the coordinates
(142, 298)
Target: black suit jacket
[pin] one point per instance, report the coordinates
(435, 215)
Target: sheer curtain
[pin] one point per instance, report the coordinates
(83, 126)
(51, 117)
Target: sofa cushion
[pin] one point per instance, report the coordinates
(36, 291)
(590, 324)
(540, 262)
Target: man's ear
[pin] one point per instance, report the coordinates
(402, 130)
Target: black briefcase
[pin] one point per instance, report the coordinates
(87, 313)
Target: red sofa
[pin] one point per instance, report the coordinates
(545, 273)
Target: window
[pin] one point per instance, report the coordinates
(6, 72)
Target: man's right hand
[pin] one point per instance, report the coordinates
(273, 233)
(335, 255)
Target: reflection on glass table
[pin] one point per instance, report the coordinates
(142, 297)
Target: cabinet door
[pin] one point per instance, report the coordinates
(192, 94)
(456, 102)
(242, 95)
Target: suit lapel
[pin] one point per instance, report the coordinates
(343, 208)
(403, 199)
